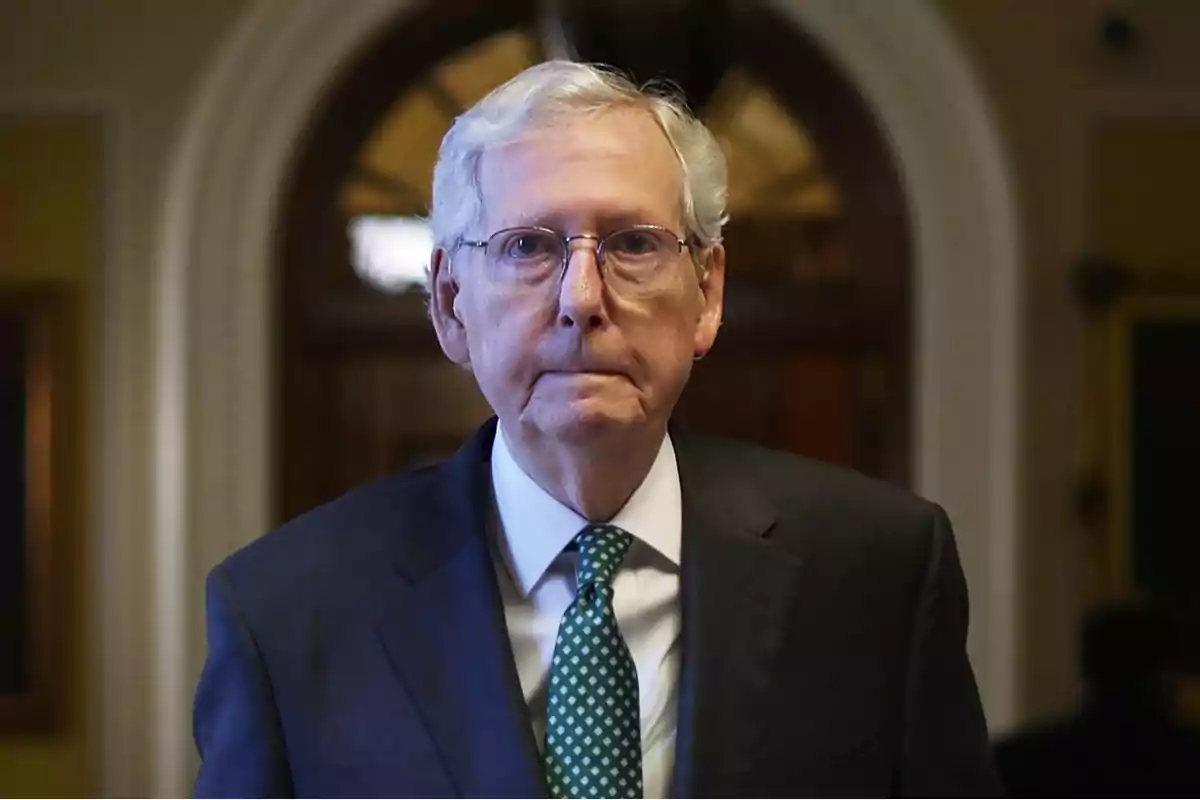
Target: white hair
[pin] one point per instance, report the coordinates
(554, 89)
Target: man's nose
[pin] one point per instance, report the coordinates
(581, 295)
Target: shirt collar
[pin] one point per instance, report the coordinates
(535, 527)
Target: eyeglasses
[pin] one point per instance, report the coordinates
(634, 255)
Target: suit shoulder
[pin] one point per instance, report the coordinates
(787, 478)
(355, 528)
(863, 535)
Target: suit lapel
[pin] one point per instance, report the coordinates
(445, 634)
(735, 591)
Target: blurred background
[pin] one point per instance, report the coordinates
(962, 258)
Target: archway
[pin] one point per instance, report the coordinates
(211, 414)
(817, 307)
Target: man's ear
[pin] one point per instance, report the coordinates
(712, 299)
(443, 309)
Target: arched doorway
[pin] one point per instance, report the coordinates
(211, 422)
(817, 329)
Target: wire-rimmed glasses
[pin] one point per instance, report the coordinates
(532, 255)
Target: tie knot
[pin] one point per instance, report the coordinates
(601, 550)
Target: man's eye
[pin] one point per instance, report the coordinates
(528, 246)
(634, 243)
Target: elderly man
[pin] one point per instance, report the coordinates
(586, 601)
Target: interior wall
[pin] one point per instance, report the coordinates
(51, 225)
(1052, 84)
(1143, 176)
(132, 63)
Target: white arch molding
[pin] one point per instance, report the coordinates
(212, 394)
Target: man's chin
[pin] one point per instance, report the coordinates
(589, 422)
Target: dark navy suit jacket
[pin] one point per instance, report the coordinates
(361, 650)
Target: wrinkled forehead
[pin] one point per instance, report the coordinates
(587, 170)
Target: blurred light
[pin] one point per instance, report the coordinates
(391, 253)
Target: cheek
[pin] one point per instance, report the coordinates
(501, 332)
(663, 333)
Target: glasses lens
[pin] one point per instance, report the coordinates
(525, 246)
(639, 250)
(523, 255)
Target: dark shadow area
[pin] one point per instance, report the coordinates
(1126, 739)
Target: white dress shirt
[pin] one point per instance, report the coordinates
(538, 581)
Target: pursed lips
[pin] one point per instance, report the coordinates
(570, 373)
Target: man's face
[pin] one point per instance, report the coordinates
(580, 354)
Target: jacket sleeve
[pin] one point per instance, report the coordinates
(235, 722)
(945, 738)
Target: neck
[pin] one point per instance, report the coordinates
(594, 478)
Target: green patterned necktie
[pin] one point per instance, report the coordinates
(593, 728)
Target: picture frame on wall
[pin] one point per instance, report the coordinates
(1154, 441)
(1143, 414)
(1153, 421)
(35, 404)
(1141, 422)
